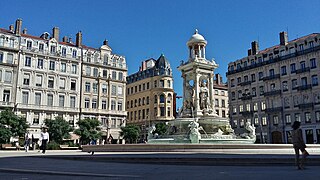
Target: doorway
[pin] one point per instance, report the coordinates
(276, 137)
(309, 136)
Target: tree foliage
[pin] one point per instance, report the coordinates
(11, 125)
(130, 133)
(88, 129)
(58, 129)
(161, 128)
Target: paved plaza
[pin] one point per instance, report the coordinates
(183, 165)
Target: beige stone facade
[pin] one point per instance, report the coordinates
(220, 97)
(276, 86)
(150, 94)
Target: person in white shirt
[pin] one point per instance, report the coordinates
(44, 136)
(27, 139)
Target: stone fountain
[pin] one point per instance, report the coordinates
(198, 121)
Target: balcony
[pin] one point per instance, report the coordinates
(276, 109)
(272, 93)
(275, 76)
(304, 87)
(305, 105)
(302, 70)
(245, 83)
(246, 97)
(246, 113)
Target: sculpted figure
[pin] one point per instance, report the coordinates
(204, 98)
(195, 135)
(150, 131)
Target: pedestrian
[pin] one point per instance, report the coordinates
(44, 136)
(103, 141)
(33, 142)
(27, 139)
(298, 144)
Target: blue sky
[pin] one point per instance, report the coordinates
(141, 29)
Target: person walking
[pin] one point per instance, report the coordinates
(44, 136)
(27, 139)
(298, 144)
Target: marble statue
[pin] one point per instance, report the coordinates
(251, 134)
(204, 98)
(151, 129)
(195, 135)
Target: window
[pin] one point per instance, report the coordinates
(37, 99)
(87, 87)
(239, 80)
(95, 87)
(241, 123)
(161, 83)
(233, 95)
(275, 120)
(114, 75)
(35, 119)
(273, 87)
(114, 90)
(313, 63)
(317, 116)
(62, 83)
(239, 94)
(304, 81)
(297, 117)
(285, 86)
(234, 110)
(74, 69)
(294, 84)
(235, 122)
(120, 91)
(283, 70)
(105, 73)
(29, 45)
(314, 80)
(72, 101)
(147, 85)
(52, 65)
(64, 52)
(63, 67)
(6, 96)
(119, 105)
(260, 75)
(61, 100)
(264, 121)
(216, 102)
(28, 62)
(39, 80)
(261, 89)
(104, 89)
(50, 100)
(302, 64)
(8, 77)
(301, 47)
(271, 72)
(41, 47)
(113, 105)
(26, 79)
(50, 82)
(216, 92)
(120, 76)
(52, 49)
(162, 111)
(155, 99)
(263, 105)
(255, 106)
(254, 92)
(86, 103)
(74, 53)
(162, 99)
(88, 71)
(95, 72)
(104, 104)
(10, 58)
(94, 103)
(308, 117)
(155, 84)
(40, 63)
(73, 85)
(293, 68)
(169, 83)
(288, 118)
(1, 56)
(248, 107)
(25, 97)
(241, 108)
(253, 77)
(147, 100)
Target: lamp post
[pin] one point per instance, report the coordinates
(261, 129)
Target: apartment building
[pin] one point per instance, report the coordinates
(274, 87)
(42, 77)
(150, 94)
(220, 96)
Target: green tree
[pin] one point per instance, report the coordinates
(130, 133)
(11, 125)
(88, 129)
(58, 129)
(161, 128)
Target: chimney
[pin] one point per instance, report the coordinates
(249, 52)
(254, 47)
(24, 31)
(70, 40)
(218, 79)
(79, 39)
(105, 42)
(65, 39)
(55, 33)
(18, 28)
(11, 28)
(283, 38)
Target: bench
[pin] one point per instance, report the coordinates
(10, 147)
(67, 147)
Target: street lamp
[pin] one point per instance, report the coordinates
(261, 129)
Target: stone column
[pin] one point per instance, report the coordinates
(211, 92)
